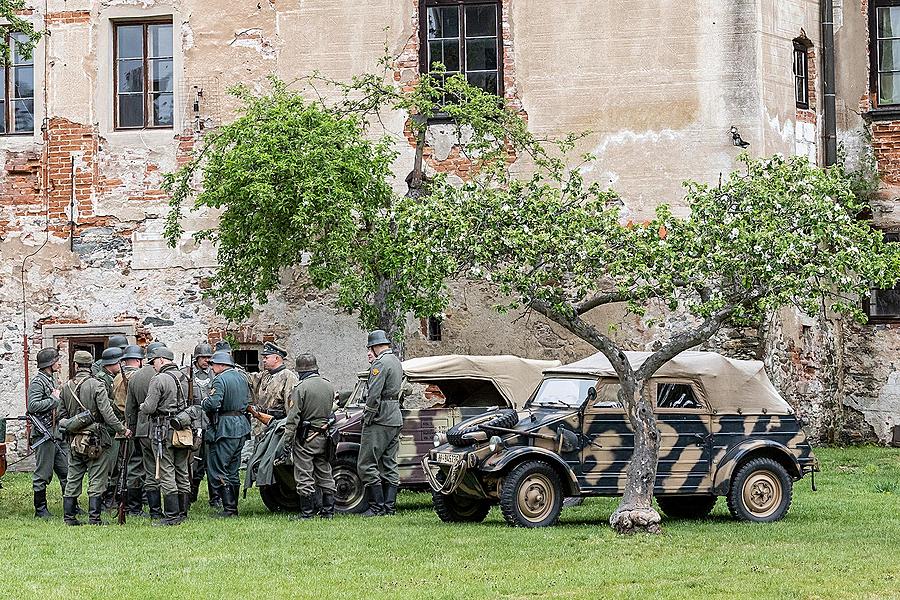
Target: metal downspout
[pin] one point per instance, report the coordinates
(828, 107)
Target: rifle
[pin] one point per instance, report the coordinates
(46, 434)
(121, 482)
(158, 443)
(262, 417)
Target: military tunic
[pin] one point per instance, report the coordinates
(201, 388)
(108, 380)
(311, 401)
(272, 389)
(166, 396)
(382, 421)
(138, 385)
(121, 384)
(43, 405)
(229, 399)
(89, 393)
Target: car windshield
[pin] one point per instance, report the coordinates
(562, 392)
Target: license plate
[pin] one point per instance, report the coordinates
(447, 458)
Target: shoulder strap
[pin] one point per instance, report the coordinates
(178, 392)
(76, 392)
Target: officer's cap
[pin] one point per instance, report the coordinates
(271, 348)
(47, 357)
(222, 358)
(111, 356)
(377, 338)
(83, 357)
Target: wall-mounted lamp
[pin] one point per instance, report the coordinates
(736, 138)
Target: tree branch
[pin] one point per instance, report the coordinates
(599, 300)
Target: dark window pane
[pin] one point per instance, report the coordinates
(162, 110)
(131, 110)
(435, 53)
(161, 78)
(24, 115)
(676, 395)
(889, 55)
(885, 303)
(131, 76)
(889, 88)
(23, 82)
(130, 41)
(481, 21)
(18, 57)
(486, 81)
(889, 22)
(3, 117)
(481, 55)
(160, 40)
(451, 55)
(443, 22)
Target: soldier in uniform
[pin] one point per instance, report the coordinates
(138, 385)
(168, 395)
(306, 437)
(201, 375)
(272, 386)
(131, 363)
(85, 393)
(115, 341)
(109, 369)
(229, 428)
(43, 404)
(382, 421)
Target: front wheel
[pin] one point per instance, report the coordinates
(760, 492)
(279, 499)
(531, 495)
(459, 509)
(350, 497)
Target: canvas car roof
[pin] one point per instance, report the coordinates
(730, 384)
(515, 377)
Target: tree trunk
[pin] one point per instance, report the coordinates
(635, 512)
(387, 317)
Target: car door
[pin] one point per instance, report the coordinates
(685, 445)
(608, 442)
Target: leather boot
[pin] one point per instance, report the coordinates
(171, 511)
(195, 490)
(70, 517)
(95, 508)
(390, 498)
(229, 501)
(307, 509)
(184, 504)
(327, 510)
(134, 506)
(154, 504)
(215, 500)
(376, 501)
(40, 505)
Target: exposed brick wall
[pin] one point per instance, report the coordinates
(67, 17)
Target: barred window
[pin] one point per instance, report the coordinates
(17, 115)
(143, 75)
(464, 36)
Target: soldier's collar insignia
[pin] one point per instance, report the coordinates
(375, 371)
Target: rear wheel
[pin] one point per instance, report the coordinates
(760, 491)
(531, 495)
(686, 507)
(459, 509)
(350, 496)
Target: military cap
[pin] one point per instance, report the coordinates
(47, 357)
(162, 352)
(271, 348)
(306, 363)
(117, 341)
(203, 350)
(111, 356)
(222, 358)
(133, 352)
(151, 349)
(223, 346)
(83, 357)
(377, 338)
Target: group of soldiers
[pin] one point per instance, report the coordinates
(133, 417)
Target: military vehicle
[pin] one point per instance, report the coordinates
(438, 393)
(724, 431)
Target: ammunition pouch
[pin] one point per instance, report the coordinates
(78, 423)
(87, 444)
(183, 438)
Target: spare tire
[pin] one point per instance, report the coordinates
(504, 418)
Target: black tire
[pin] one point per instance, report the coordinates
(686, 507)
(760, 491)
(504, 418)
(531, 495)
(350, 496)
(459, 509)
(279, 499)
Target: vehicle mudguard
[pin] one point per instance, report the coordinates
(347, 448)
(729, 462)
(517, 454)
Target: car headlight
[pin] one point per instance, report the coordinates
(439, 439)
(494, 443)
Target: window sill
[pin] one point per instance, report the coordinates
(883, 114)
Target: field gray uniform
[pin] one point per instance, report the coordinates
(166, 396)
(382, 422)
(143, 476)
(228, 405)
(48, 459)
(201, 389)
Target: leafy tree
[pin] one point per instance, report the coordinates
(783, 233)
(307, 182)
(10, 11)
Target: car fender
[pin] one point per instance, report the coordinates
(728, 464)
(531, 452)
(347, 448)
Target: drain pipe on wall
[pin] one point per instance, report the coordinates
(830, 132)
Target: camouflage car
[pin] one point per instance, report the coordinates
(724, 431)
(438, 393)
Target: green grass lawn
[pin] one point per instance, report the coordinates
(840, 542)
